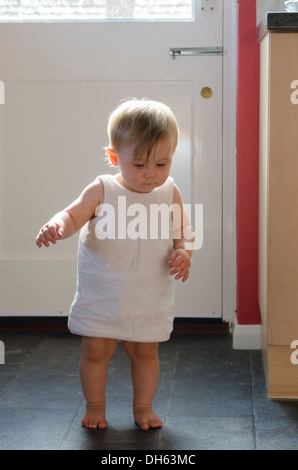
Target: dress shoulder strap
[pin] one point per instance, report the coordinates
(165, 192)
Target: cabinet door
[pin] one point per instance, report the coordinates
(283, 192)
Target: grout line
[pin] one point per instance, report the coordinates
(176, 357)
(253, 401)
(68, 429)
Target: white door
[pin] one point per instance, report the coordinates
(61, 80)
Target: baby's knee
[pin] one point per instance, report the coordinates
(96, 349)
(143, 352)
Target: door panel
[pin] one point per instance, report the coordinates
(61, 82)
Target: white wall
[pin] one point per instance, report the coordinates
(268, 5)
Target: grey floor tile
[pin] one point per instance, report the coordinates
(218, 432)
(44, 390)
(221, 398)
(275, 416)
(33, 428)
(276, 440)
(57, 352)
(201, 358)
(18, 350)
(186, 439)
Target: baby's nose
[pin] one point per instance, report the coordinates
(149, 172)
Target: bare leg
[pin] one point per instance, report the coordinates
(145, 375)
(96, 355)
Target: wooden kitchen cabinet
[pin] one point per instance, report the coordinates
(278, 209)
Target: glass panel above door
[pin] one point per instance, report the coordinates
(95, 10)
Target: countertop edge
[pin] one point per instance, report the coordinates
(277, 21)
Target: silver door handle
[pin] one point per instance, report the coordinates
(196, 51)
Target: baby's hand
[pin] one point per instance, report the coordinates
(49, 233)
(180, 261)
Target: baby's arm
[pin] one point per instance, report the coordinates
(67, 222)
(180, 258)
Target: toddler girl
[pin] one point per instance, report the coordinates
(125, 282)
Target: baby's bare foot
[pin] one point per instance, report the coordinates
(94, 416)
(145, 417)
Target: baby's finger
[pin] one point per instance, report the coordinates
(180, 274)
(178, 269)
(53, 231)
(183, 274)
(38, 242)
(41, 240)
(175, 270)
(177, 265)
(48, 234)
(172, 258)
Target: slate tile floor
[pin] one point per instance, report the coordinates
(210, 397)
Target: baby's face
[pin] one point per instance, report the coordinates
(142, 175)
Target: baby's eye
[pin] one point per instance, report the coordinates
(138, 165)
(160, 164)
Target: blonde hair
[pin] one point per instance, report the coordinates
(140, 124)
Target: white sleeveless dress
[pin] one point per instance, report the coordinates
(124, 287)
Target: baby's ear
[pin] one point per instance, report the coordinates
(112, 156)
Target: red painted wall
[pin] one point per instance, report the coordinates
(247, 165)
